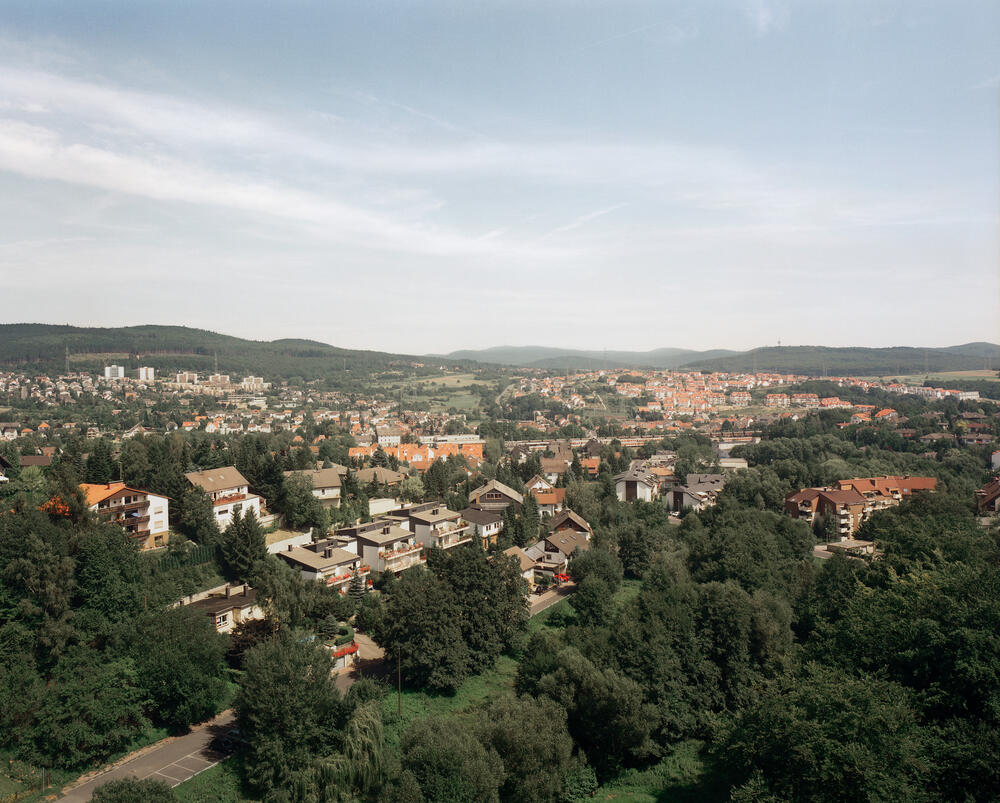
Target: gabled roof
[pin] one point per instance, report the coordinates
(568, 541)
(217, 479)
(381, 475)
(322, 477)
(481, 517)
(499, 487)
(97, 492)
(568, 516)
(522, 558)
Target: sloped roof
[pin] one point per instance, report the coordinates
(496, 485)
(217, 479)
(522, 557)
(570, 516)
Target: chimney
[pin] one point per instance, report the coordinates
(290, 547)
(328, 552)
(229, 591)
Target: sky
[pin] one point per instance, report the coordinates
(428, 176)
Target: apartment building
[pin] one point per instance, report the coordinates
(143, 515)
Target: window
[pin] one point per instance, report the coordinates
(222, 620)
(237, 507)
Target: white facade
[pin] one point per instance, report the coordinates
(225, 506)
(114, 372)
(146, 374)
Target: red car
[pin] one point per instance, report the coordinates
(562, 578)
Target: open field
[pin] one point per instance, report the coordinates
(942, 376)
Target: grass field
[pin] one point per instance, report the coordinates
(943, 376)
(680, 777)
(219, 784)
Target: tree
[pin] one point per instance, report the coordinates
(828, 736)
(290, 711)
(196, 516)
(300, 508)
(449, 762)
(530, 520)
(531, 738)
(100, 468)
(412, 489)
(243, 545)
(592, 602)
(599, 562)
(357, 588)
(421, 625)
(607, 716)
(91, 709)
(181, 660)
(132, 790)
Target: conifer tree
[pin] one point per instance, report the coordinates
(243, 544)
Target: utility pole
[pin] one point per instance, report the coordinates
(399, 684)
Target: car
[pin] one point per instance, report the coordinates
(226, 742)
(562, 578)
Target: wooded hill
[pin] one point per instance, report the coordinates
(173, 348)
(821, 360)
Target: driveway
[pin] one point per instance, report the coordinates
(172, 760)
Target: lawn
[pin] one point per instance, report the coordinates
(678, 778)
(420, 704)
(218, 784)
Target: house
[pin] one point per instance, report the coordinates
(495, 496)
(568, 521)
(988, 497)
(566, 542)
(385, 546)
(327, 562)
(554, 467)
(526, 564)
(845, 508)
(698, 491)
(636, 484)
(380, 475)
(325, 483)
(550, 499)
(485, 523)
(389, 436)
(231, 607)
(228, 490)
(776, 400)
(38, 460)
(437, 526)
(143, 515)
(8, 430)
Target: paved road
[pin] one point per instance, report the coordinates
(172, 760)
(179, 759)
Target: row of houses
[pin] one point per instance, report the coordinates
(849, 502)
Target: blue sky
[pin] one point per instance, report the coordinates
(423, 177)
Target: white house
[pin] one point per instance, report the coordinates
(228, 490)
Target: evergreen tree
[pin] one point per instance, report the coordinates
(243, 544)
(530, 521)
(358, 588)
(99, 465)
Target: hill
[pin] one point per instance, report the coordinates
(556, 358)
(829, 361)
(173, 348)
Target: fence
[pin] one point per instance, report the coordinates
(206, 553)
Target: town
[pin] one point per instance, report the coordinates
(213, 477)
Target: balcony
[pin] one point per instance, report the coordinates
(454, 540)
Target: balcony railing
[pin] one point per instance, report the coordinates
(390, 554)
